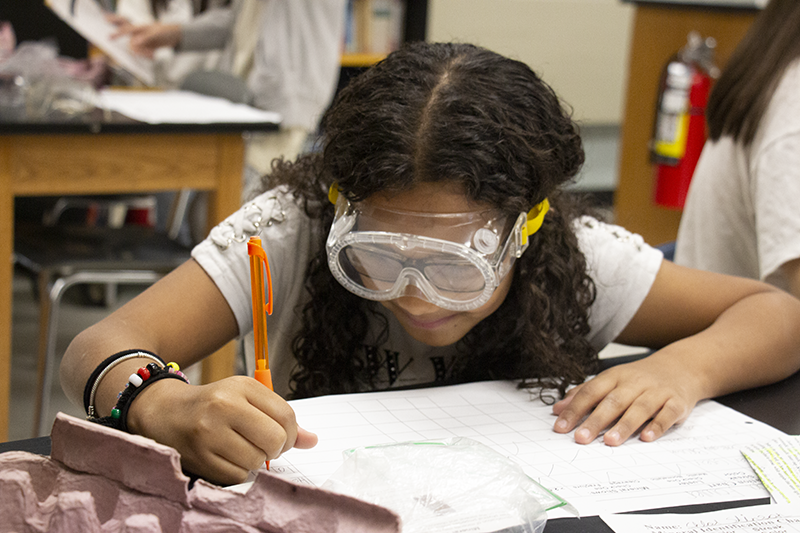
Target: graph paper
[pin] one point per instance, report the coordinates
(697, 462)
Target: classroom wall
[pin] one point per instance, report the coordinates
(580, 47)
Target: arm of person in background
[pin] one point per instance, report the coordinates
(719, 334)
(791, 270)
(222, 430)
(775, 189)
(211, 30)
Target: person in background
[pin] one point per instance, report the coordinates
(287, 50)
(171, 66)
(431, 242)
(741, 215)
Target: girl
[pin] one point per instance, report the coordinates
(430, 242)
(741, 214)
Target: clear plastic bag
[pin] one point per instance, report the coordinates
(448, 486)
(35, 83)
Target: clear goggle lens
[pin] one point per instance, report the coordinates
(455, 262)
(379, 268)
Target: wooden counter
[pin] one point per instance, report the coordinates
(110, 157)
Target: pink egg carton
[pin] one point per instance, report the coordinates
(98, 479)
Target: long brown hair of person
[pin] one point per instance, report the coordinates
(451, 112)
(743, 91)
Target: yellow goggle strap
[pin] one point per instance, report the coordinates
(333, 193)
(535, 219)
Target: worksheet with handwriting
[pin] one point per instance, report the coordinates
(697, 462)
(755, 519)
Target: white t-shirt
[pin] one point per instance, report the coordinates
(741, 215)
(622, 266)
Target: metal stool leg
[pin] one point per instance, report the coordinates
(50, 300)
(42, 390)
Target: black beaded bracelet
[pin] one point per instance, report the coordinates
(136, 384)
(103, 368)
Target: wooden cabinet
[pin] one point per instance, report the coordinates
(659, 32)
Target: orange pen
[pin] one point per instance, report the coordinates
(259, 264)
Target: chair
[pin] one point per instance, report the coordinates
(59, 256)
(668, 249)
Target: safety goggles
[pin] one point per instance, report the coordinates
(453, 260)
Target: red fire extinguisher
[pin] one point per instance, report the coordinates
(680, 127)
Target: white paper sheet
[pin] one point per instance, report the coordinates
(89, 20)
(755, 519)
(777, 464)
(698, 462)
(182, 107)
(614, 349)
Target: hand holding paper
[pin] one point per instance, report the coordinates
(144, 40)
(88, 18)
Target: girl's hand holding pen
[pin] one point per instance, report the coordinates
(652, 394)
(222, 430)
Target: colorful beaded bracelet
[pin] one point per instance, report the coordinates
(90, 389)
(137, 382)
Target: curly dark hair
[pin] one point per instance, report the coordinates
(455, 113)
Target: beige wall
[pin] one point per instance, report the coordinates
(580, 47)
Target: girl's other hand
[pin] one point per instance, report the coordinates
(650, 394)
(222, 430)
(719, 334)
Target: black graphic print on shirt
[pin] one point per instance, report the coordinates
(389, 368)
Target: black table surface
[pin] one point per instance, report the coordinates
(776, 405)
